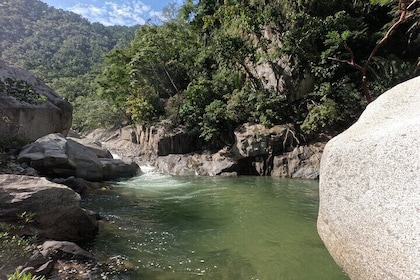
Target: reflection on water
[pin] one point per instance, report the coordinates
(214, 228)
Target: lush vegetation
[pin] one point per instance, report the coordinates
(215, 64)
(204, 67)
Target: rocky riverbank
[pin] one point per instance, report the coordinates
(36, 210)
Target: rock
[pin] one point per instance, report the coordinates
(94, 146)
(162, 139)
(303, 162)
(370, 189)
(48, 155)
(55, 208)
(256, 140)
(196, 164)
(30, 108)
(144, 144)
(86, 162)
(79, 185)
(42, 269)
(257, 151)
(116, 168)
(54, 155)
(45, 269)
(179, 165)
(55, 250)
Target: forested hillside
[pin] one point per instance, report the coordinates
(60, 47)
(221, 63)
(216, 64)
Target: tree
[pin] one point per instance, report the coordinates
(405, 11)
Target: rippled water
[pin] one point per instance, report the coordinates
(214, 228)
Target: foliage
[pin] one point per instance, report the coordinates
(13, 248)
(20, 275)
(11, 143)
(209, 57)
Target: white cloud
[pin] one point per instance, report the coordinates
(112, 13)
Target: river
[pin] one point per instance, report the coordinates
(213, 228)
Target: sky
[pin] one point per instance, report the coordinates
(114, 12)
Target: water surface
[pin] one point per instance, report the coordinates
(214, 228)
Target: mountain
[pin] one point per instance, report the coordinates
(49, 41)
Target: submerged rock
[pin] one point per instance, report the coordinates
(370, 189)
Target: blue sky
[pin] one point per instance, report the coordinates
(114, 12)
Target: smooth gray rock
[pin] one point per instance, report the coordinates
(86, 162)
(370, 189)
(48, 155)
(94, 146)
(79, 185)
(116, 168)
(196, 164)
(54, 155)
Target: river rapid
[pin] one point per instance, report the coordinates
(241, 228)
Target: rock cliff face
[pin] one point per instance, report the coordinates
(370, 189)
(28, 107)
(257, 151)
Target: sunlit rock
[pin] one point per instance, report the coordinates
(370, 189)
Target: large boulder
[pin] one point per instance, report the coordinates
(370, 189)
(54, 208)
(54, 155)
(28, 107)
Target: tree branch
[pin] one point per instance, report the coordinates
(387, 35)
(352, 64)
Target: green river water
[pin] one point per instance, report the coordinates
(213, 228)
